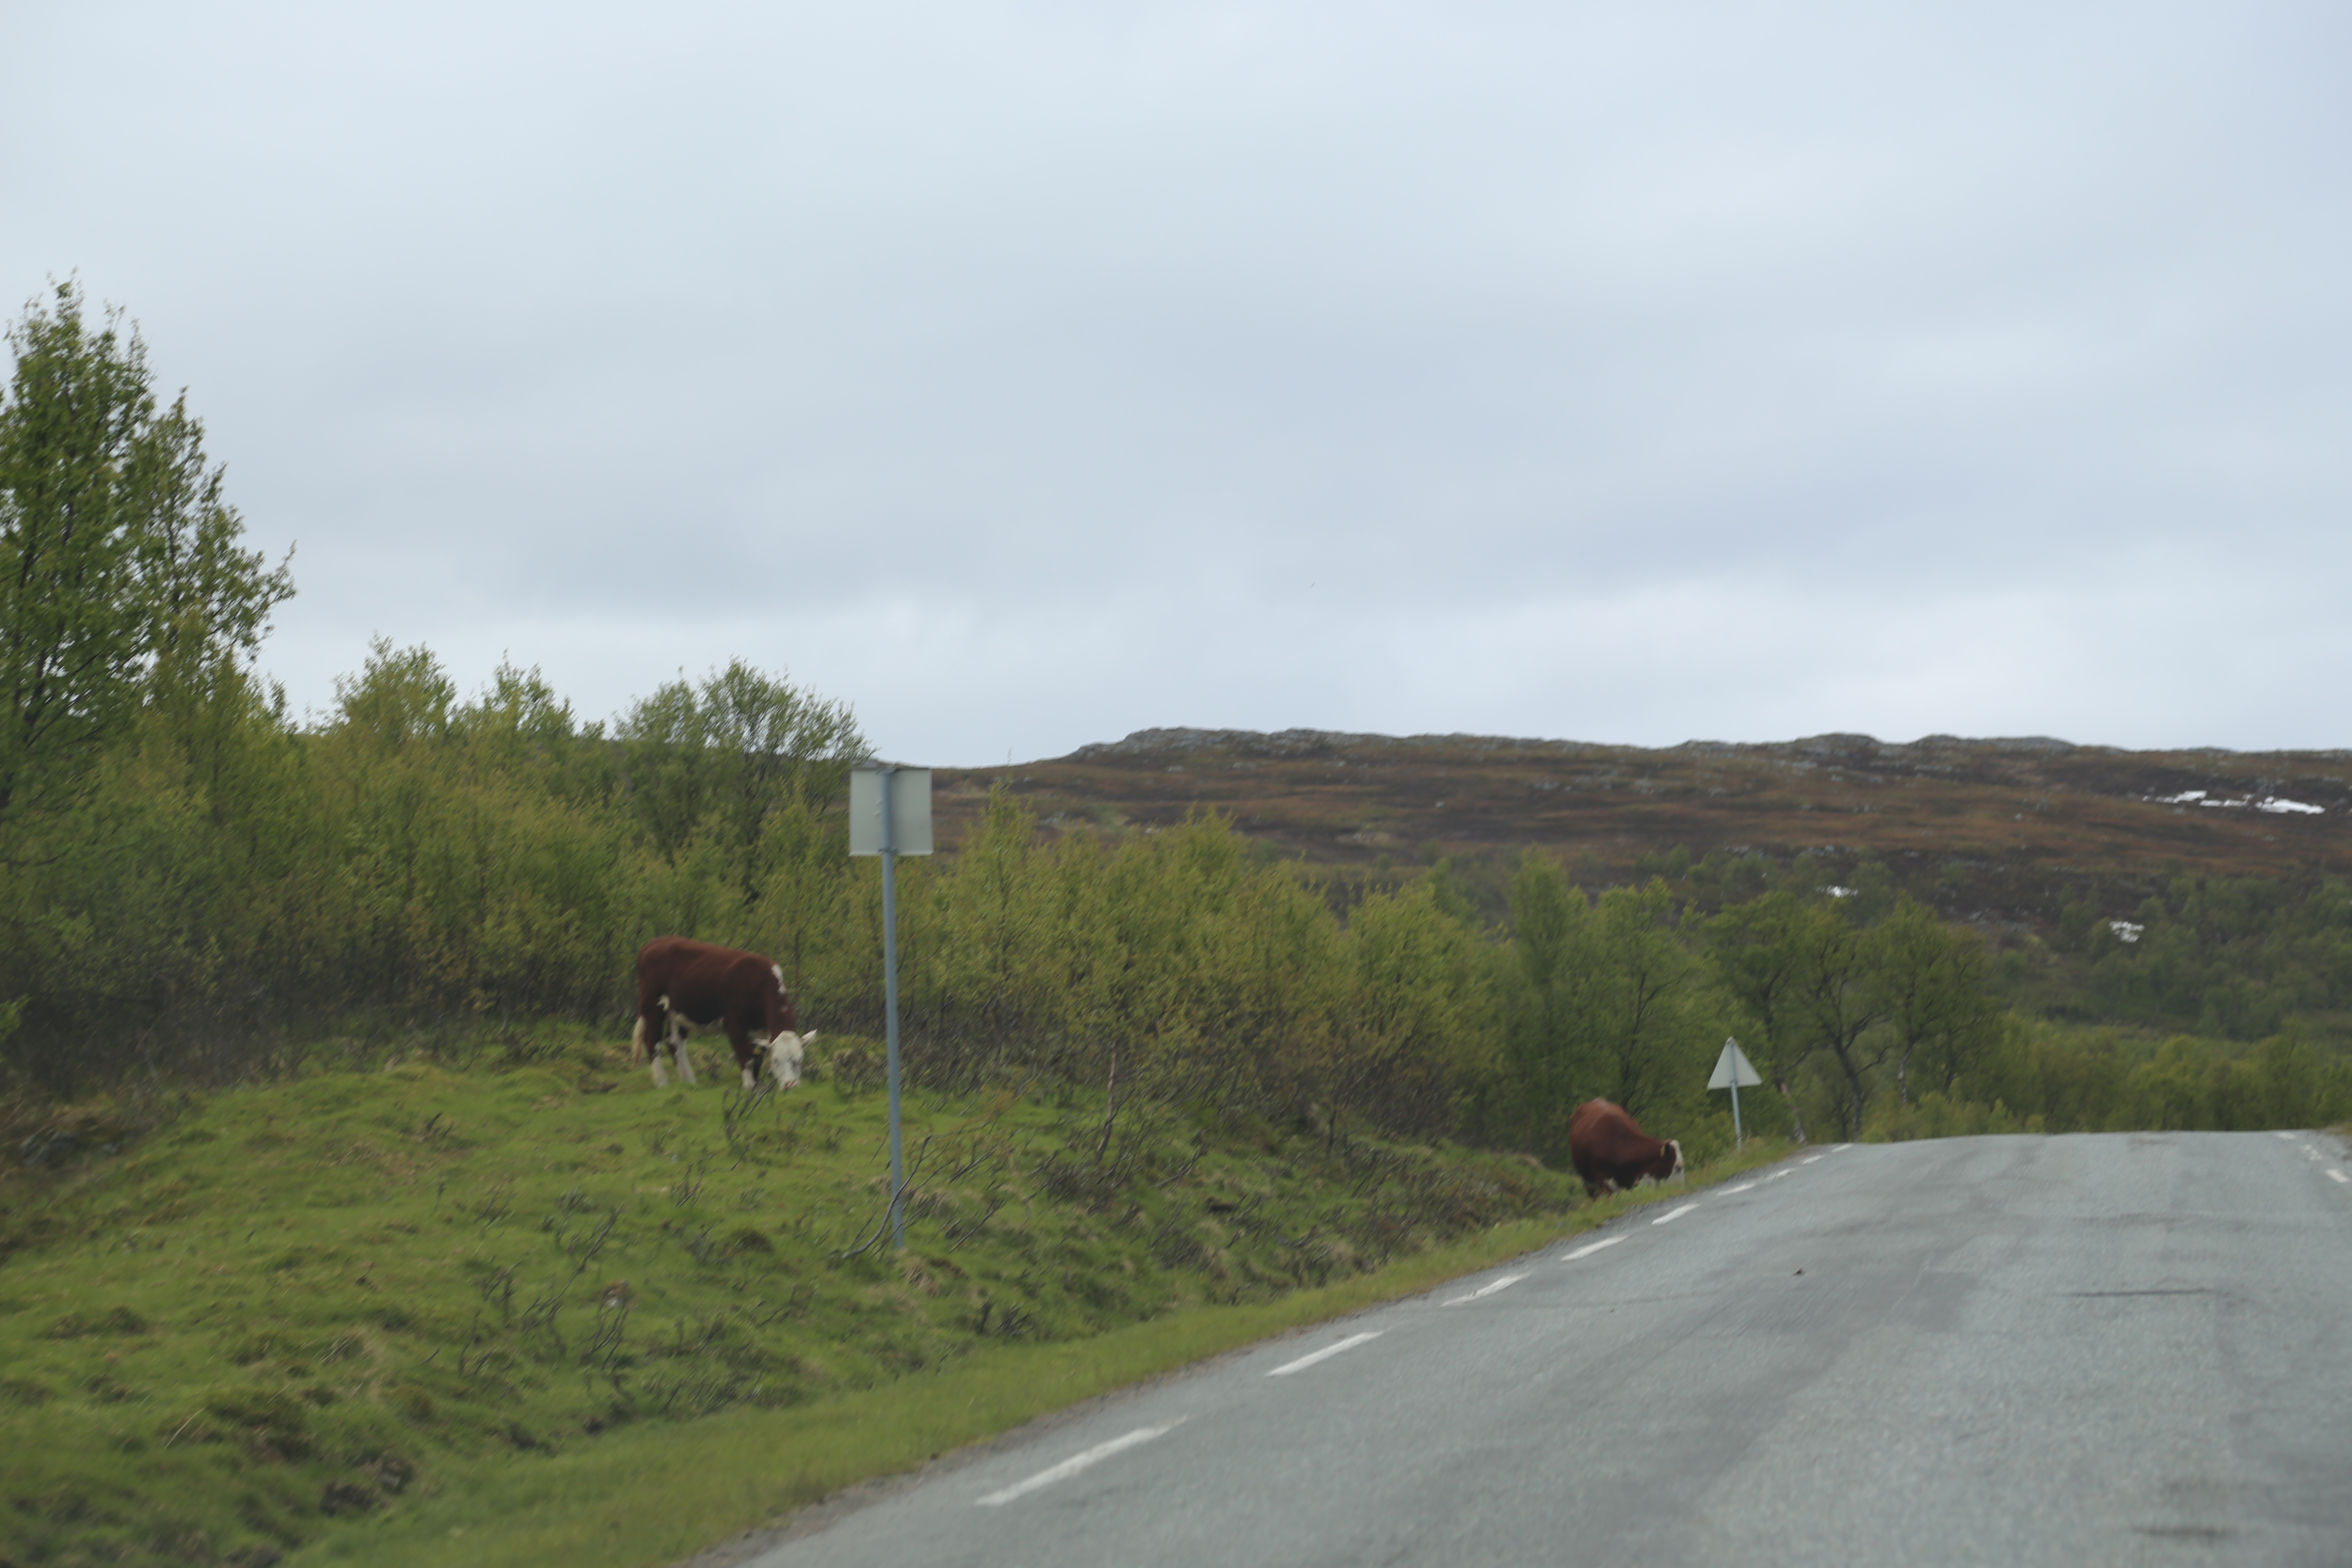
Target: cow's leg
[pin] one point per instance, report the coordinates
(647, 1045)
(748, 1043)
(649, 1041)
(679, 1029)
(640, 1049)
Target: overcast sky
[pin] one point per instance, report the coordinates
(1026, 375)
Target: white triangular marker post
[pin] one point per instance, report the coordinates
(1732, 1072)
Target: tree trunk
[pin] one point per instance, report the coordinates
(1110, 1107)
(1796, 1116)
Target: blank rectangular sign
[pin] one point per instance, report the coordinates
(910, 811)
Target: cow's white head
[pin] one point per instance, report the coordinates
(1676, 1145)
(786, 1053)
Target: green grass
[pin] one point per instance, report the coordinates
(344, 1315)
(651, 1498)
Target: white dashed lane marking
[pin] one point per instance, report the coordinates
(1074, 1463)
(2288, 1136)
(2340, 1176)
(1505, 1283)
(1326, 1353)
(1141, 1435)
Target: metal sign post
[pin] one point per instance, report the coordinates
(890, 815)
(1733, 1070)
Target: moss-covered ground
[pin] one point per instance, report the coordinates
(328, 1314)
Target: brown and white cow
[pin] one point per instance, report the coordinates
(1609, 1150)
(685, 986)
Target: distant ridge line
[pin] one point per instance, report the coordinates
(1187, 741)
(1182, 742)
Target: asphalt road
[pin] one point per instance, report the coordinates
(2079, 1350)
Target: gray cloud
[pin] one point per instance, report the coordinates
(1028, 374)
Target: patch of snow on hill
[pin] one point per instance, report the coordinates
(2275, 804)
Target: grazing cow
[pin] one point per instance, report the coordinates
(685, 986)
(1609, 1150)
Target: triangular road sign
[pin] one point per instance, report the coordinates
(1733, 1070)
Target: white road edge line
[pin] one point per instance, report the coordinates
(1841, 1148)
(1808, 1159)
(1589, 1247)
(1076, 1462)
(1777, 1175)
(2339, 1175)
(1505, 1283)
(1742, 1187)
(1677, 1214)
(1303, 1362)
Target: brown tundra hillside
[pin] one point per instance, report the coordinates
(1999, 830)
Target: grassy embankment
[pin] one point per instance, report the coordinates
(366, 1316)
